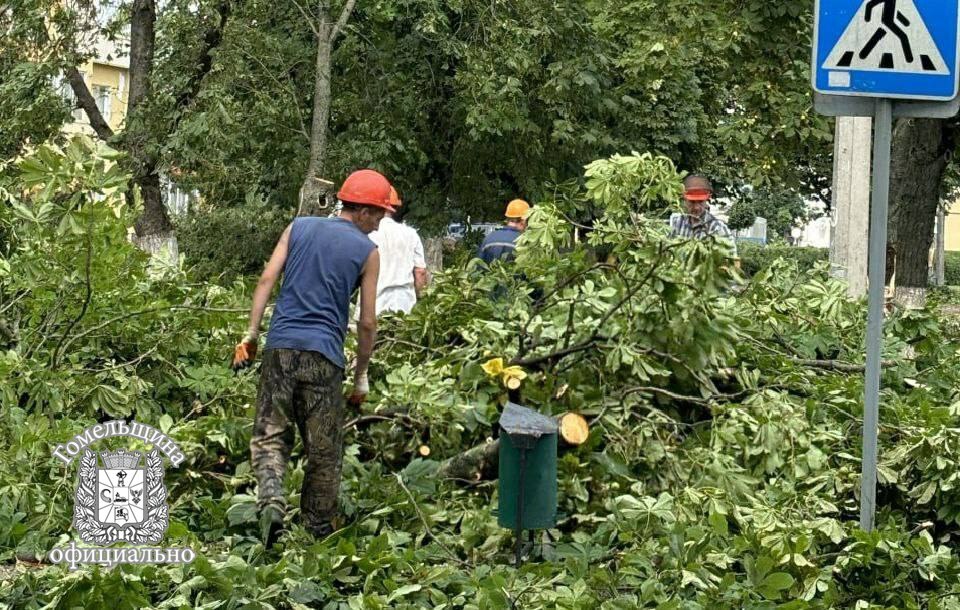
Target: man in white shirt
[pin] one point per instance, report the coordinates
(403, 268)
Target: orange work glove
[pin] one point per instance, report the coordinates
(244, 354)
(361, 388)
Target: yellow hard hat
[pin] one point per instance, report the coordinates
(517, 208)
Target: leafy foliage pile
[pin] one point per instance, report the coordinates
(721, 472)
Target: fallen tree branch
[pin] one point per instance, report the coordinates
(88, 104)
(474, 464)
(481, 462)
(88, 296)
(144, 312)
(357, 421)
(598, 331)
(394, 340)
(837, 365)
(706, 400)
(426, 525)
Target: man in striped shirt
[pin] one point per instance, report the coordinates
(698, 222)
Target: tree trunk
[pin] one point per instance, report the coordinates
(921, 150)
(154, 231)
(433, 251)
(316, 192)
(313, 193)
(143, 18)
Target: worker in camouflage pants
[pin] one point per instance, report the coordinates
(323, 262)
(302, 388)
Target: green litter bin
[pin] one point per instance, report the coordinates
(528, 471)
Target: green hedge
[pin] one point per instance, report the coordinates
(951, 268)
(223, 243)
(754, 257)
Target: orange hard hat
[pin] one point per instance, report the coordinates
(366, 187)
(395, 200)
(697, 188)
(517, 208)
(698, 195)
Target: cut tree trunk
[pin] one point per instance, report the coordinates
(433, 253)
(921, 150)
(313, 193)
(315, 189)
(317, 200)
(574, 429)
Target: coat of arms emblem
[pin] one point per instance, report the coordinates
(120, 496)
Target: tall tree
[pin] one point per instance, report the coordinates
(60, 37)
(922, 149)
(465, 104)
(326, 31)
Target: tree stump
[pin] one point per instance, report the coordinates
(433, 252)
(317, 198)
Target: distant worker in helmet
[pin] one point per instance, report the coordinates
(403, 267)
(501, 244)
(698, 222)
(323, 262)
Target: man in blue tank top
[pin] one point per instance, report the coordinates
(323, 262)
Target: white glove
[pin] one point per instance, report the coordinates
(362, 384)
(361, 387)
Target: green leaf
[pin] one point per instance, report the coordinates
(166, 422)
(403, 591)
(778, 581)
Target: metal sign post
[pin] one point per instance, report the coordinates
(903, 50)
(877, 261)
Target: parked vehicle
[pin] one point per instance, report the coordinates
(458, 230)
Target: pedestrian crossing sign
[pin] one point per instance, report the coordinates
(902, 49)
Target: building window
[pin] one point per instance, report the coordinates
(103, 95)
(66, 91)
